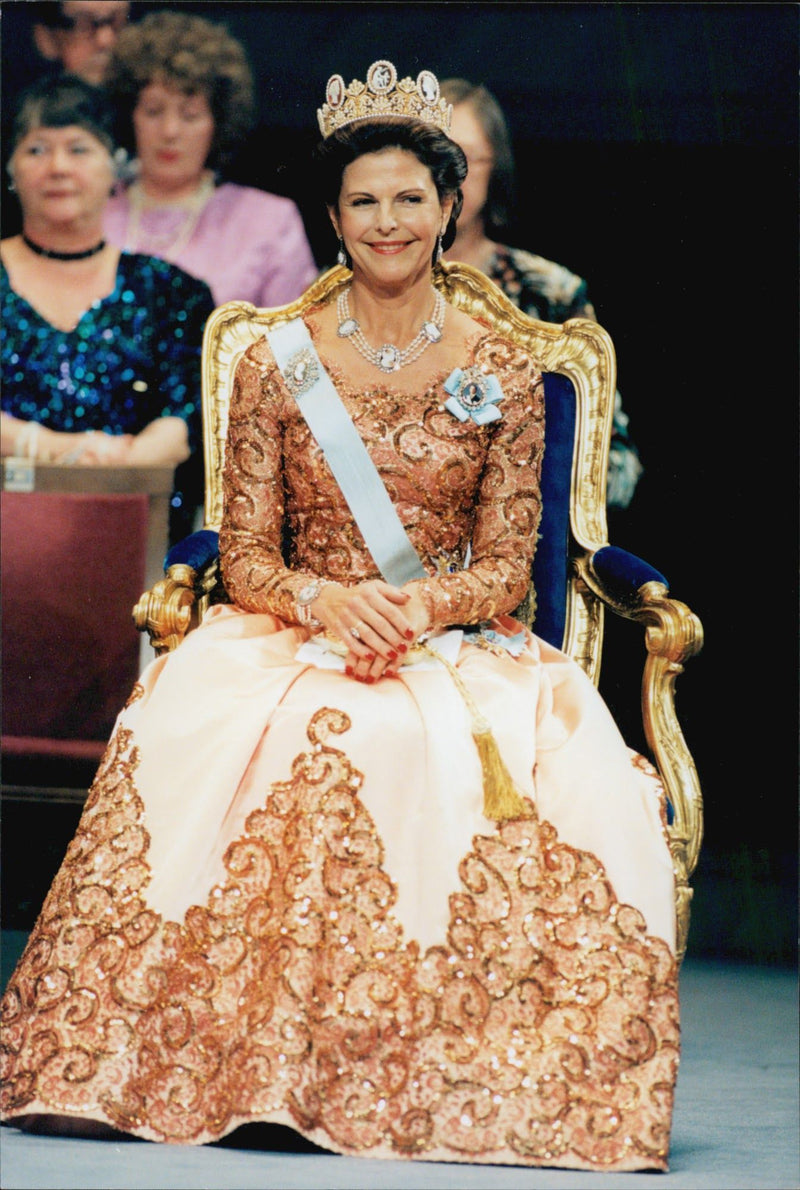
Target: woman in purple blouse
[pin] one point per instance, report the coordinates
(184, 87)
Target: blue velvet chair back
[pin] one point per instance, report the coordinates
(550, 561)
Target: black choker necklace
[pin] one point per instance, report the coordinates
(51, 255)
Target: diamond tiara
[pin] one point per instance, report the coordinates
(383, 97)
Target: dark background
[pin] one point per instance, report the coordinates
(657, 156)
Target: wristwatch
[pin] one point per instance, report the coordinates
(304, 599)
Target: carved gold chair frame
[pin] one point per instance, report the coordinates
(582, 351)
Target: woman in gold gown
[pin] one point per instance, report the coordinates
(364, 856)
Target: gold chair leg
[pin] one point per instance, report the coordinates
(673, 634)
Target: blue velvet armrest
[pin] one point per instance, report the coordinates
(198, 550)
(622, 574)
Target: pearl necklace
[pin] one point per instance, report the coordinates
(388, 357)
(173, 242)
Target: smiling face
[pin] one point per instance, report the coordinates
(63, 178)
(174, 133)
(389, 215)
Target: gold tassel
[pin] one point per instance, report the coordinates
(501, 799)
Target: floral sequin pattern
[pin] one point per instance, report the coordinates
(544, 1028)
(455, 485)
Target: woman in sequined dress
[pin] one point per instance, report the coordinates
(184, 90)
(100, 350)
(365, 857)
(539, 287)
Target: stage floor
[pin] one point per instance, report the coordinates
(737, 1118)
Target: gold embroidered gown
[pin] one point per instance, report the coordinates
(283, 902)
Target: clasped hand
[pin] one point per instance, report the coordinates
(94, 448)
(377, 623)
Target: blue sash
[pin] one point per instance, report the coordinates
(345, 453)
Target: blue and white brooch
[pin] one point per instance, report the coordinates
(473, 394)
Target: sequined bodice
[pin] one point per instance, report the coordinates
(134, 355)
(457, 487)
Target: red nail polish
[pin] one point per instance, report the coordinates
(409, 635)
(369, 679)
(402, 648)
(348, 669)
(392, 656)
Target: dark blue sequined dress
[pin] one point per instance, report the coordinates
(133, 357)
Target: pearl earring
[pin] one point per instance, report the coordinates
(341, 255)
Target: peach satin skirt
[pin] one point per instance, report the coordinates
(284, 903)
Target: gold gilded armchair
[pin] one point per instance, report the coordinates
(577, 574)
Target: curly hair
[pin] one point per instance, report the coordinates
(194, 56)
(431, 147)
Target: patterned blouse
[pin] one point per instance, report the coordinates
(548, 291)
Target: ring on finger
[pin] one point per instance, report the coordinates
(354, 632)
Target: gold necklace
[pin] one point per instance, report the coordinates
(174, 241)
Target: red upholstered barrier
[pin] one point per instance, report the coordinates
(72, 566)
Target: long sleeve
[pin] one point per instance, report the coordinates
(252, 530)
(464, 492)
(182, 305)
(508, 508)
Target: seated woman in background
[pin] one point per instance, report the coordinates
(100, 349)
(539, 287)
(184, 93)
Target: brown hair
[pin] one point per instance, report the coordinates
(59, 101)
(431, 147)
(194, 56)
(489, 114)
